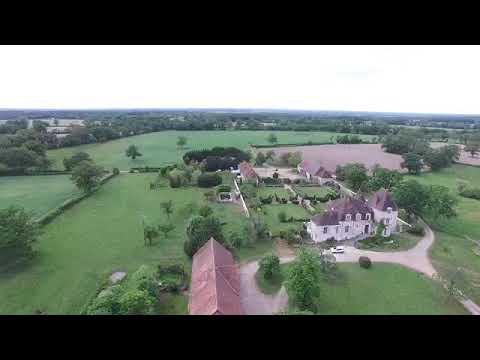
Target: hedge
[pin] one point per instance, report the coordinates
(67, 204)
(146, 169)
(291, 145)
(25, 172)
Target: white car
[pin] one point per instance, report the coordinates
(337, 250)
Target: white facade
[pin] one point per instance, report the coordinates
(388, 218)
(343, 231)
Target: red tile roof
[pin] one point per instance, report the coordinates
(314, 169)
(246, 170)
(215, 286)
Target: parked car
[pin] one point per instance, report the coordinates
(337, 249)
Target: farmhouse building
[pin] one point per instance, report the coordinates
(247, 173)
(215, 285)
(354, 217)
(314, 172)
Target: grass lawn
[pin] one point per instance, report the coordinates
(384, 289)
(452, 249)
(172, 304)
(36, 193)
(270, 190)
(160, 148)
(271, 216)
(401, 242)
(103, 233)
(312, 190)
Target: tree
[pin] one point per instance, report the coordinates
(209, 180)
(355, 175)
(303, 279)
(383, 179)
(413, 162)
(258, 229)
(19, 157)
(149, 233)
(269, 266)
(199, 231)
(260, 159)
(132, 151)
(181, 141)
(434, 159)
(76, 158)
(472, 148)
(269, 155)
(136, 302)
(18, 232)
(167, 207)
(86, 175)
(205, 211)
(440, 202)
(272, 138)
(282, 216)
(294, 158)
(166, 228)
(411, 196)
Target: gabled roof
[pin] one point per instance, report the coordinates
(337, 210)
(315, 169)
(246, 170)
(382, 200)
(215, 285)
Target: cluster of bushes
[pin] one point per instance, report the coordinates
(291, 145)
(271, 181)
(145, 169)
(217, 158)
(282, 217)
(331, 195)
(349, 139)
(30, 172)
(206, 180)
(416, 229)
(472, 193)
(172, 278)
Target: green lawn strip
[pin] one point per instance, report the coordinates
(401, 242)
(269, 286)
(451, 249)
(101, 234)
(160, 148)
(384, 289)
(38, 194)
(281, 192)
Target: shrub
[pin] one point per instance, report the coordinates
(116, 171)
(282, 216)
(365, 262)
(224, 189)
(199, 231)
(206, 180)
(205, 211)
(270, 266)
(472, 193)
(416, 229)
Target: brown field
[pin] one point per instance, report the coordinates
(465, 158)
(330, 156)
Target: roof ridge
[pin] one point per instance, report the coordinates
(211, 240)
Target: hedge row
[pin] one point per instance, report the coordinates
(25, 172)
(291, 145)
(145, 169)
(67, 204)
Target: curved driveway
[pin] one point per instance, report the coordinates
(257, 303)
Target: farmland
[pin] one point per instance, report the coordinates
(329, 156)
(36, 193)
(101, 234)
(398, 291)
(160, 148)
(452, 249)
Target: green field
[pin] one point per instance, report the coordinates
(271, 216)
(160, 148)
(384, 289)
(36, 193)
(452, 249)
(101, 234)
(281, 192)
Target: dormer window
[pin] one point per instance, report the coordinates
(348, 217)
(367, 217)
(359, 217)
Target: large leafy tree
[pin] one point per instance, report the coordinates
(355, 175)
(412, 162)
(133, 152)
(76, 158)
(303, 279)
(272, 138)
(441, 203)
(199, 231)
(411, 196)
(383, 179)
(18, 232)
(86, 175)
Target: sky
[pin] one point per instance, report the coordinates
(424, 79)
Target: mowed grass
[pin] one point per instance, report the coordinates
(101, 234)
(36, 193)
(281, 192)
(452, 250)
(312, 190)
(270, 216)
(384, 289)
(160, 148)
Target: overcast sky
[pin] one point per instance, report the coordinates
(434, 79)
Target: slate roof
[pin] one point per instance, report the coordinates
(337, 210)
(246, 170)
(382, 200)
(215, 285)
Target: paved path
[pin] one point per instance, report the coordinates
(255, 302)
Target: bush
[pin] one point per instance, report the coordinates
(205, 211)
(365, 262)
(206, 180)
(269, 266)
(224, 189)
(472, 193)
(282, 216)
(116, 171)
(199, 231)
(416, 229)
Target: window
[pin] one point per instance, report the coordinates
(367, 217)
(346, 228)
(348, 217)
(385, 232)
(336, 229)
(359, 217)
(325, 229)
(387, 221)
(389, 210)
